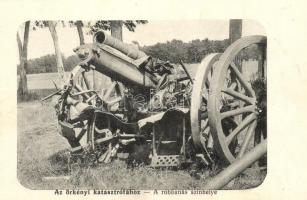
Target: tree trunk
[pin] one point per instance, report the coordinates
(117, 32)
(23, 54)
(60, 66)
(80, 32)
(117, 29)
(235, 30)
(235, 33)
(19, 47)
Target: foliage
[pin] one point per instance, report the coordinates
(260, 87)
(193, 51)
(47, 64)
(190, 52)
(94, 26)
(39, 24)
(106, 25)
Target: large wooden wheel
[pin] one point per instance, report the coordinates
(82, 84)
(82, 99)
(78, 102)
(199, 99)
(232, 97)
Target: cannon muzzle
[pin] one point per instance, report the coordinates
(128, 49)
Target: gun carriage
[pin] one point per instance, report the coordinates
(155, 112)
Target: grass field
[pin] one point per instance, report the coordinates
(41, 153)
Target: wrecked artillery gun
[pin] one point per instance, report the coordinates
(155, 112)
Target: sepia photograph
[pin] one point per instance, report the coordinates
(127, 106)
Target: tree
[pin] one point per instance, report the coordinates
(23, 56)
(60, 66)
(115, 26)
(117, 29)
(235, 29)
(52, 28)
(191, 52)
(78, 24)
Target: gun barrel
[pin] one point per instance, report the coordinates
(120, 69)
(113, 63)
(128, 49)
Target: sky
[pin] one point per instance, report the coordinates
(40, 41)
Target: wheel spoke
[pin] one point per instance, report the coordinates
(205, 122)
(247, 138)
(234, 104)
(240, 127)
(205, 127)
(82, 132)
(237, 111)
(242, 80)
(91, 98)
(86, 81)
(205, 96)
(233, 86)
(239, 96)
(80, 93)
(80, 89)
(206, 131)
